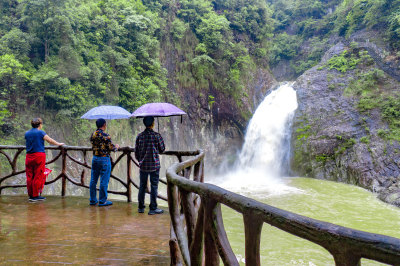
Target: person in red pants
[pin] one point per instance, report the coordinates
(36, 159)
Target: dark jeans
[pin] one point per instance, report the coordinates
(101, 167)
(154, 176)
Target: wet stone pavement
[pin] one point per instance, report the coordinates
(69, 231)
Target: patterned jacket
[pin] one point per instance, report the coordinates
(101, 143)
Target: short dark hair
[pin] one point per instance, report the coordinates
(36, 122)
(100, 122)
(148, 121)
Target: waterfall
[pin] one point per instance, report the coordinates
(263, 161)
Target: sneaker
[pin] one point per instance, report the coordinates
(140, 210)
(33, 199)
(39, 198)
(156, 211)
(93, 203)
(107, 203)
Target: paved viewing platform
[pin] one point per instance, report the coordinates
(69, 231)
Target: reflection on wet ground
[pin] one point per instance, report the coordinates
(69, 231)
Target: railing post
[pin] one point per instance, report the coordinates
(176, 222)
(196, 172)
(346, 258)
(189, 212)
(252, 231)
(210, 247)
(196, 249)
(221, 239)
(174, 249)
(202, 171)
(64, 171)
(128, 176)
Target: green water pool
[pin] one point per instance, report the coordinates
(337, 203)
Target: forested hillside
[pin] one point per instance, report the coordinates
(304, 30)
(62, 57)
(65, 56)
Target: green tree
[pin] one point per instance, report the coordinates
(284, 47)
(4, 112)
(394, 29)
(16, 42)
(48, 21)
(13, 78)
(213, 31)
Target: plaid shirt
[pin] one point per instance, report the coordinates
(149, 145)
(101, 143)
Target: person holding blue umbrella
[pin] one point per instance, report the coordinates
(101, 163)
(102, 147)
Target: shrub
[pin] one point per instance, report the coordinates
(178, 28)
(382, 133)
(343, 62)
(303, 132)
(365, 140)
(366, 84)
(284, 47)
(346, 145)
(322, 158)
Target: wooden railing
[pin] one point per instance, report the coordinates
(13, 153)
(198, 236)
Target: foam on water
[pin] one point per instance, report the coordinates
(263, 160)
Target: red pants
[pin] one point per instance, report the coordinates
(35, 178)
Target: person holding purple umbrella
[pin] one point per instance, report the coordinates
(149, 144)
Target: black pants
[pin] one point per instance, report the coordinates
(154, 176)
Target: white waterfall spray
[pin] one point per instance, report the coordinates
(260, 165)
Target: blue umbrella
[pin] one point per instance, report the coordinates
(107, 112)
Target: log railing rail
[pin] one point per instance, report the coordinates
(65, 155)
(198, 236)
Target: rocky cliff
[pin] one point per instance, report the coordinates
(218, 126)
(345, 127)
(216, 120)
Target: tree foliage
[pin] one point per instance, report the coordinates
(65, 56)
(352, 15)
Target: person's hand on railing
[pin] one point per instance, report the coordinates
(116, 147)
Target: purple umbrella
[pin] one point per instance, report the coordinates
(107, 112)
(157, 110)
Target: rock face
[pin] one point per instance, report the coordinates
(332, 139)
(218, 128)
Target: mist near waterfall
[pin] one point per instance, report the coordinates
(263, 162)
